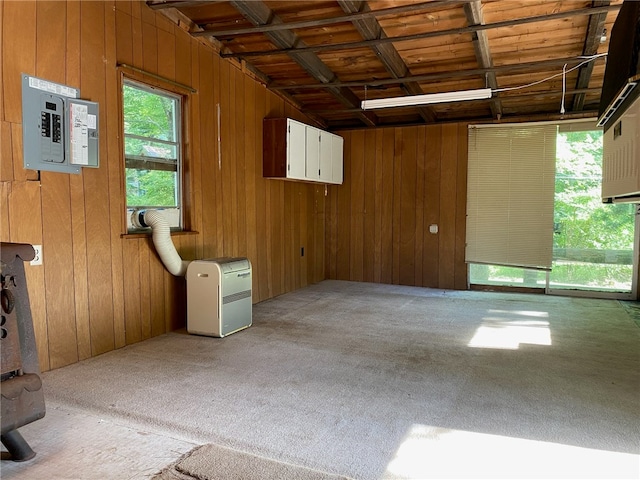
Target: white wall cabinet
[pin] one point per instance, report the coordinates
(295, 151)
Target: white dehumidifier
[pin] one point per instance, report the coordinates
(218, 296)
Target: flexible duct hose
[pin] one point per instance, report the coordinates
(161, 240)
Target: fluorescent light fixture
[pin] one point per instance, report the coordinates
(411, 100)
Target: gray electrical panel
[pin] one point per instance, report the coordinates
(59, 130)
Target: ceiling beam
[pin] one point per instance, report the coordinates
(586, 115)
(429, 34)
(515, 97)
(260, 14)
(370, 29)
(533, 66)
(473, 12)
(595, 30)
(319, 22)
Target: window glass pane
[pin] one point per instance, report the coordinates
(149, 114)
(152, 150)
(593, 242)
(135, 147)
(151, 188)
(506, 276)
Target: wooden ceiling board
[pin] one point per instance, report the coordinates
(252, 45)
(395, 117)
(291, 75)
(441, 61)
(452, 45)
(372, 93)
(572, 28)
(354, 69)
(290, 11)
(443, 86)
(499, 10)
(340, 33)
(429, 47)
(441, 18)
(524, 85)
(218, 14)
(280, 61)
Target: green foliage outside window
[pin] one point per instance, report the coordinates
(601, 233)
(582, 220)
(593, 242)
(151, 147)
(150, 188)
(149, 114)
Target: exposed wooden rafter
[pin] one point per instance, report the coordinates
(325, 57)
(259, 14)
(473, 12)
(370, 29)
(319, 22)
(512, 96)
(429, 34)
(591, 44)
(432, 77)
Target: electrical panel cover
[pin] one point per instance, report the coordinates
(59, 130)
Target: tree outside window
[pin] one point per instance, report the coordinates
(152, 146)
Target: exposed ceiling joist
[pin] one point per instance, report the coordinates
(595, 31)
(473, 12)
(518, 96)
(325, 56)
(370, 29)
(260, 14)
(430, 34)
(319, 22)
(528, 66)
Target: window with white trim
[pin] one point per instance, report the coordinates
(153, 151)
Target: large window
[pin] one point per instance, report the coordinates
(510, 195)
(153, 150)
(588, 248)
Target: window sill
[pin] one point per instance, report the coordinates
(148, 234)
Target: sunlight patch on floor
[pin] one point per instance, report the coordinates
(509, 329)
(439, 453)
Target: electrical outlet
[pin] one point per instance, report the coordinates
(37, 260)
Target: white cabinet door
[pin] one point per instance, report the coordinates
(326, 152)
(312, 153)
(336, 159)
(296, 146)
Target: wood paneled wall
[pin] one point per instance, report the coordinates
(398, 182)
(98, 289)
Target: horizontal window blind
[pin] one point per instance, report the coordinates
(511, 185)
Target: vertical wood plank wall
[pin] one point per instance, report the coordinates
(98, 290)
(398, 182)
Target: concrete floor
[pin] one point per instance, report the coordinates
(72, 444)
